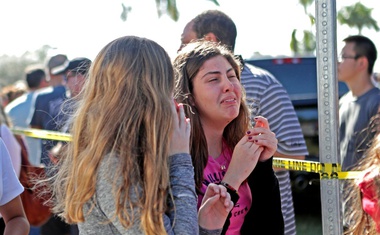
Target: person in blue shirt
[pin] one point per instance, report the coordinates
(21, 110)
(41, 119)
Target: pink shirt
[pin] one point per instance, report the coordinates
(213, 173)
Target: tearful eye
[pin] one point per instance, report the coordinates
(231, 76)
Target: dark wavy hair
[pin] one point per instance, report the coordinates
(186, 66)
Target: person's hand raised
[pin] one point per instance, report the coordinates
(244, 160)
(263, 136)
(181, 131)
(215, 206)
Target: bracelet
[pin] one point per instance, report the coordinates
(233, 192)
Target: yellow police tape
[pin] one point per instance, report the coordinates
(42, 134)
(325, 170)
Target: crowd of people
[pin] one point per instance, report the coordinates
(180, 145)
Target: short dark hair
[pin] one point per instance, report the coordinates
(34, 77)
(218, 23)
(364, 47)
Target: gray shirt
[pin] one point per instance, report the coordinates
(267, 97)
(182, 220)
(355, 114)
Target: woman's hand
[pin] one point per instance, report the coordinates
(181, 131)
(216, 205)
(263, 136)
(244, 160)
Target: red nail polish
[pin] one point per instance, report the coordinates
(248, 132)
(176, 105)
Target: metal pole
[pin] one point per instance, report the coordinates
(328, 113)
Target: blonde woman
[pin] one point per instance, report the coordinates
(127, 169)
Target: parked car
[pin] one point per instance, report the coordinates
(299, 77)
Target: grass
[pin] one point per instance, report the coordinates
(308, 224)
(307, 206)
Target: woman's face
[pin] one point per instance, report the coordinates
(217, 92)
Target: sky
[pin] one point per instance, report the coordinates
(82, 27)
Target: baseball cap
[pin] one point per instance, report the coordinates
(56, 61)
(79, 65)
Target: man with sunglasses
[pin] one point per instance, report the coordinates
(361, 102)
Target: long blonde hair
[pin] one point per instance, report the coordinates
(124, 111)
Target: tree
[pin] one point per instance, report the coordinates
(307, 44)
(124, 12)
(168, 7)
(357, 16)
(12, 68)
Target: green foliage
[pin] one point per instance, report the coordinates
(168, 7)
(171, 9)
(294, 42)
(311, 18)
(357, 16)
(12, 68)
(124, 12)
(305, 4)
(305, 46)
(215, 2)
(309, 42)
